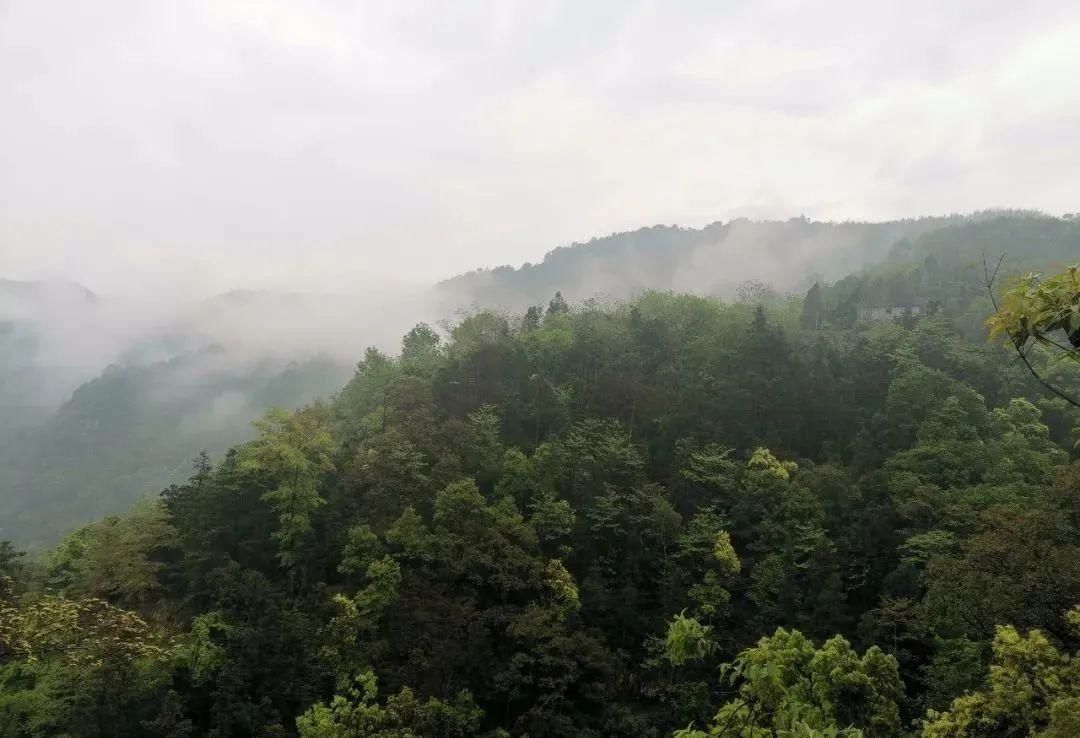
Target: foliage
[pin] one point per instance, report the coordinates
(292, 450)
(1036, 308)
(1032, 689)
(687, 639)
(359, 715)
(77, 667)
(1036, 312)
(133, 430)
(563, 524)
(116, 559)
(785, 686)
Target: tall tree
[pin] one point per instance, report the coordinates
(292, 453)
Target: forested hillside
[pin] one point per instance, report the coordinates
(673, 515)
(135, 428)
(33, 382)
(104, 402)
(539, 370)
(152, 387)
(784, 256)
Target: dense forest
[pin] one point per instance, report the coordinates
(539, 370)
(675, 514)
(91, 421)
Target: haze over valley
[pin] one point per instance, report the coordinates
(505, 369)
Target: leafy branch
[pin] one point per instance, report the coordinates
(1032, 311)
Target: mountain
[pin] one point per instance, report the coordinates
(612, 519)
(35, 295)
(713, 260)
(787, 256)
(137, 428)
(102, 403)
(35, 372)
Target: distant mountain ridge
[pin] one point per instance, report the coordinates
(790, 255)
(44, 290)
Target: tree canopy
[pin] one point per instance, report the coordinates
(669, 516)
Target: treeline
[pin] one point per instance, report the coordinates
(133, 429)
(787, 255)
(673, 515)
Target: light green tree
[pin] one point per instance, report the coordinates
(1037, 311)
(292, 451)
(359, 714)
(77, 667)
(785, 687)
(1032, 689)
(116, 559)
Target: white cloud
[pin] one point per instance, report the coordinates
(201, 146)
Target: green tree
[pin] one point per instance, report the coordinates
(421, 351)
(558, 305)
(813, 309)
(785, 686)
(118, 559)
(1034, 312)
(1031, 690)
(292, 452)
(77, 667)
(1021, 566)
(358, 714)
(12, 569)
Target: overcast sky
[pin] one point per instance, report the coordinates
(207, 145)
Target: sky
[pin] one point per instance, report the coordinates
(152, 147)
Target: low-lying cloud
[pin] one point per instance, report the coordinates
(155, 148)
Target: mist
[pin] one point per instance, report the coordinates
(211, 207)
(716, 260)
(60, 335)
(164, 151)
(290, 180)
(509, 368)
